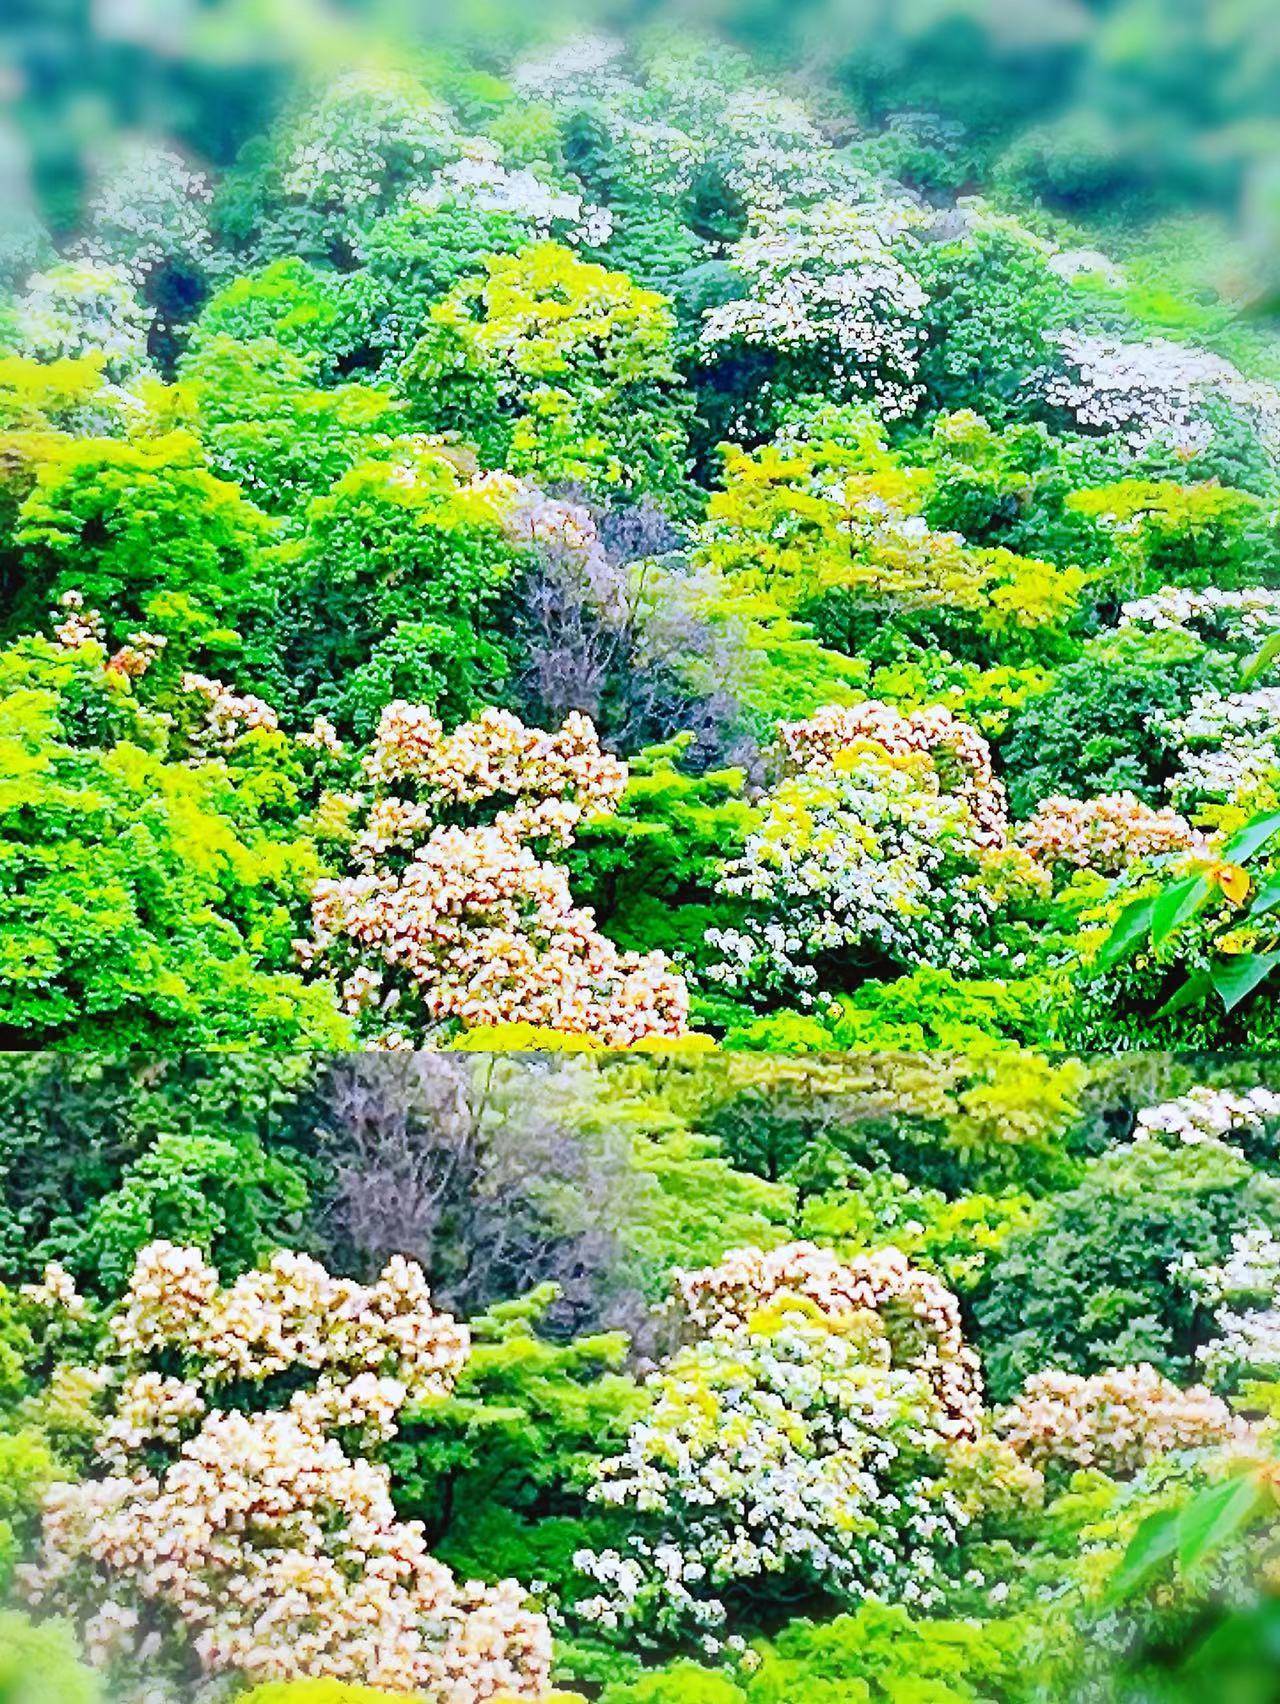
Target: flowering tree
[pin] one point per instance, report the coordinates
(1244, 1292)
(916, 1311)
(825, 293)
(85, 306)
(1114, 1421)
(468, 923)
(783, 1459)
(884, 839)
(358, 148)
(1107, 833)
(243, 1539)
(1158, 394)
(149, 213)
(797, 1444)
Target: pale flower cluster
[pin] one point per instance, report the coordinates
(1157, 393)
(813, 745)
(918, 1313)
(365, 1346)
(83, 307)
(1244, 1293)
(876, 841)
(565, 536)
(553, 778)
(479, 179)
(1116, 1421)
(788, 1453)
(826, 281)
(228, 714)
(1206, 1115)
(1106, 833)
(256, 1547)
(1223, 745)
(584, 67)
(872, 857)
(468, 920)
(80, 626)
(367, 127)
(150, 210)
(1244, 617)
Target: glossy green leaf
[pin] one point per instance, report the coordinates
(1133, 924)
(1236, 978)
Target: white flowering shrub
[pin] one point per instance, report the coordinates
(1208, 1115)
(915, 1310)
(579, 68)
(825, 291)
(788, 1454)
(366, 141)
(878, 843)
(85, 307)
(767, 147)
(445, 922)
(478, 179)
(226, 1532)
(1241, 618)
(1224, 744)
(685, 109)
(1158, 394)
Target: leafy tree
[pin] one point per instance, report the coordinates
(413, 258)
(400, 567)
(268, 427)
(993, 306)
(1103, 726)
(560, 367)
(102, 1140)
(499, 1470)
(142, 529)
(139, 898)
(1088, 1286)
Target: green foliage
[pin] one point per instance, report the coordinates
(393, 583)
(40, 1664)
(1088, 1286)
(561, 368)
(139, 898)
(412, 259)
(127, 523)
(499, 1470)
(269, 428)
(993, 306)
(1102, 725)
(292, 306)
(228, 1198)
(27, 1468)
(1167, 534)
(649, 871)
(79, 1138)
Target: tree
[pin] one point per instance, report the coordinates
(139, 898)
(561, 368)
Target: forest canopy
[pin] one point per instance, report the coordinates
(601, 545)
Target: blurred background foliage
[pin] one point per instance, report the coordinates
(1156, 122)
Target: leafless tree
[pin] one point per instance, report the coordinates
(495, 1174)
